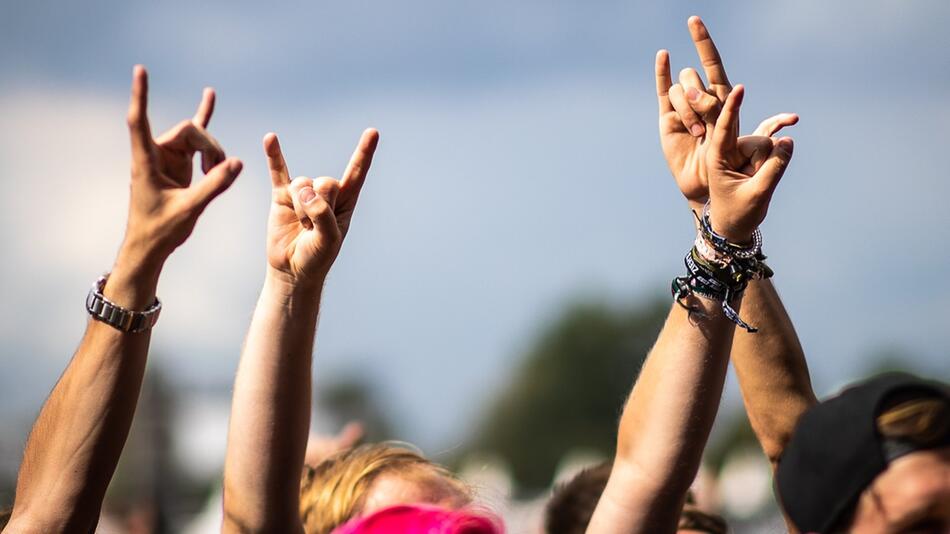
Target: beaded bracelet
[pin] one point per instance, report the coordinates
(722, 245)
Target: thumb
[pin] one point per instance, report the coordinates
(774, 167)
(315, 200)
(704, 104)
(217, 181)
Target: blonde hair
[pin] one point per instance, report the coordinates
(922, 420)
(334, 491)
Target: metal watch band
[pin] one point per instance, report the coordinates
(106, 311)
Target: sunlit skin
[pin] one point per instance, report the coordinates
(911, 497)
(421, 487)
(75, 444)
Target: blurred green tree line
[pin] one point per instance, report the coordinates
(568, 392)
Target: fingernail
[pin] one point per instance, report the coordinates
(692, 93)
(697, 129)
(307, 195)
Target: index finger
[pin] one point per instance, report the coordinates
(138, 116)
(708, 54)
(359, 164)
(725, 134)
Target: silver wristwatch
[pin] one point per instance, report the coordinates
(101, 309)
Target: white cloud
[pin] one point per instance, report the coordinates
(491, 199)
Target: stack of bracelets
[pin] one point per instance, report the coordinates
(719, 270)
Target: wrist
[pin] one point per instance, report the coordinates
(696, 210)
(711, 308)
(696, 205)
(141, 256)
(133, 281)
(286, 288)
(735, 235)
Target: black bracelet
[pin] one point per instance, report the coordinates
(719, 283)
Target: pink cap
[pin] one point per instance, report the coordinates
(423, 519)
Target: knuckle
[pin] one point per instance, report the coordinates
(300, 181)
(711, 61)
(188, 127)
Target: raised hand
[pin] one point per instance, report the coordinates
(320, 447)
(310, 217)
(164, 204)
(740, 193)
(689, 109)
(84, 423)
(270, 417)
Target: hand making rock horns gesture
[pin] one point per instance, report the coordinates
(309, 217)
(739, 193)
(688, 112)
(164, 204)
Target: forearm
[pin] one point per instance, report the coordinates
(666, 422)
(770, 364)
(270, 413)
(78, 437)
(773, 374)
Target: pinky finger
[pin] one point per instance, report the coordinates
(205, 108)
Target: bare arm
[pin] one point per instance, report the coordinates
(270, 411)
(667, 419)
(772, 371)
(770, 364)
(78, 437)
(665, 424)
(270, 415)
(76, 441)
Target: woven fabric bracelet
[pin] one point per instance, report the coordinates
(717, 285)
(718, 282)
(719, 270)
(708, 252)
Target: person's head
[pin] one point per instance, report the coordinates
(874, 459)
(572, 505)
(359, 481)
(422, 518)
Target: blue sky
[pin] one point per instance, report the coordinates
(519, 167)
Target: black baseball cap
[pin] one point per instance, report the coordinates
(836, 450)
